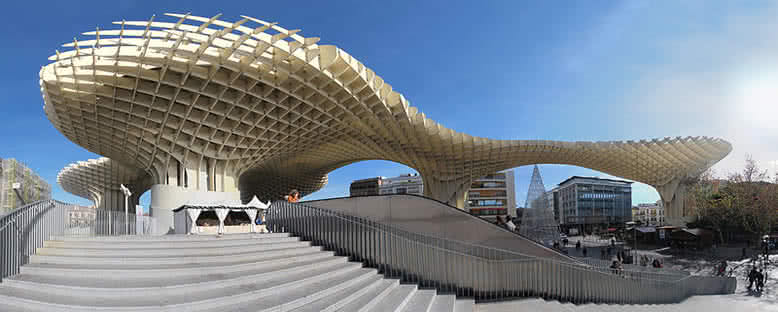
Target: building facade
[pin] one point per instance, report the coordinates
(649, 214)
(404, 184)
(82, 215)
(589, 203)
(489, 196)
(20, 185)
(493, 195)
(552, 197)
(365, 187)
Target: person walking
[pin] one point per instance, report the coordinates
(584, 252)
(578, 245)
(759, 280)
(752, 277)
(722, 269)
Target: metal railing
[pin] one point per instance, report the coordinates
(109, 223)
(601, 263)
(24, 230)
(486, 274)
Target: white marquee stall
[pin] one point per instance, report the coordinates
(186, 216)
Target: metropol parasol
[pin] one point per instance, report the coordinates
(197, 106)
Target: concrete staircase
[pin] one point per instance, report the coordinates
(239, 272)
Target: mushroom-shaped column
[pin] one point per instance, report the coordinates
(99, 180)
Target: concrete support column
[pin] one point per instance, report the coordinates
(453, 193)
(172, 174)
(673, 195)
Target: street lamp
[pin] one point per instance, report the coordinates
(127, 195)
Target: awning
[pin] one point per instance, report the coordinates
(643, 229)
(254, 203)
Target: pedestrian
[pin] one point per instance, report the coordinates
(615, 267)
(578, 245)
(752, 277)
(509, 224)
(760, 277)
(500, 222)
(584, 252)
(722, 270)
(293, 197)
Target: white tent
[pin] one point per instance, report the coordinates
(185, 218)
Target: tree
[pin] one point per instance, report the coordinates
(748, 203)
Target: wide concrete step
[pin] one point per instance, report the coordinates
(178, 294)
(337, 300)
(369, 299)
(166, 244)
(443, 303)
(421, 301)
(163, 262)
(296, 297)
(157, 253)
(396, 300)
(464, 305)
(167, 238)
(270, 299)
(112, 278)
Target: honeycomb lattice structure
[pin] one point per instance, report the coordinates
(274, 110)
(99, 180)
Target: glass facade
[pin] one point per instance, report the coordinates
(595, 201)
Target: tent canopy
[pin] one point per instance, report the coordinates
(254, 203)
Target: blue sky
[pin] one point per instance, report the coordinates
(585, 70)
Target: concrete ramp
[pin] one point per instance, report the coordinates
(422, 215)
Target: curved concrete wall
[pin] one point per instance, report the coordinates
(422, 215)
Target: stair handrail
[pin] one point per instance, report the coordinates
(481, 272)
(23, 230)
(512, 255)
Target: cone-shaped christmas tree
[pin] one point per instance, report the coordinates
(538, 222)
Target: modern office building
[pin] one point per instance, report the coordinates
(650, 214)
(552, 197)
(589, 203)
(493, 195)
(19, 185)
(365, 187)
(404, 184)
(202, 107)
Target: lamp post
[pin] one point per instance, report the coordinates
(127, 195)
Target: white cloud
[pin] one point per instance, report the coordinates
(719, 81)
